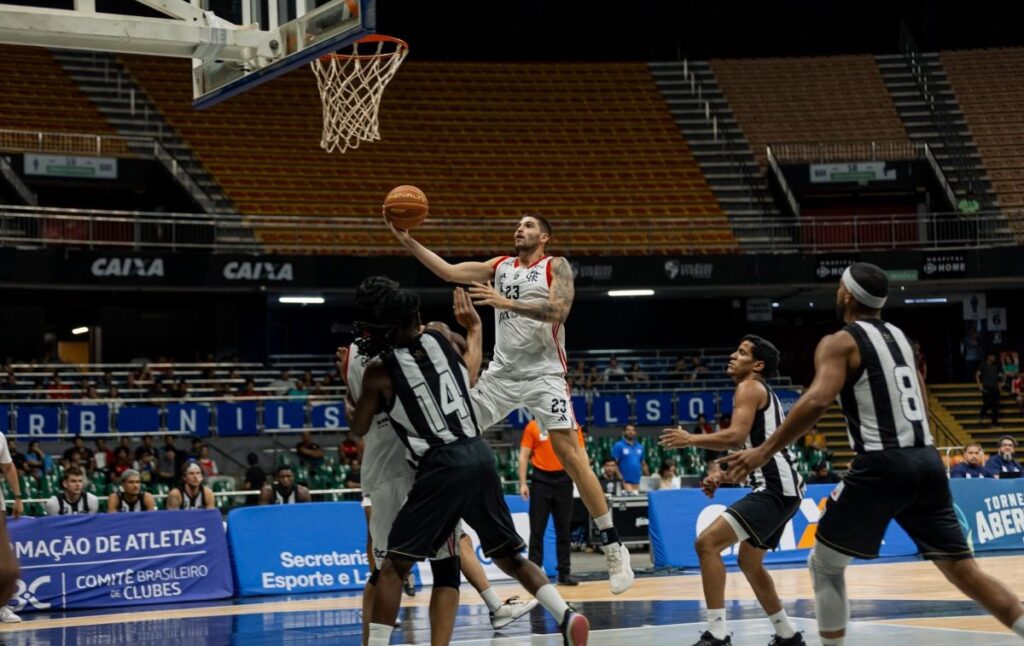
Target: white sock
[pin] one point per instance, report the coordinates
(380, 635)
(780, 622)
(553, 602)
(716, 623)
(833, 641)
(1018, 626)
(491, 599)
(604, 522)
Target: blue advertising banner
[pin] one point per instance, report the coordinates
(610, 410)
(654, 409)
(787, 397)
(328, 415)
(88, 418)
(189, 418)
(318, 547)
(112, 560)
(579, 409)
(38, 420)
(693, 404)
(284, 416)
(519, 418)
(724, 403)
(5, 418)
(677, 517)
(138, 419)
(991, 512)
(236, 418)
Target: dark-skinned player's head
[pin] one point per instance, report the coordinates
(862, 292)
(533, 232)
(396, 315)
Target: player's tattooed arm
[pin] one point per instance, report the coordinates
(554, 310)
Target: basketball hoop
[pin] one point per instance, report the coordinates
(351, 85)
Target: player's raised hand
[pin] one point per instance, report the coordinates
(710, 484)
(340, 360)
(737, 466)
(675, 438)
(402, 234)
(465, 313)
(485, 294)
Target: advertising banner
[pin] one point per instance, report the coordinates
(678, 516)
(111, 560)
(991, 512)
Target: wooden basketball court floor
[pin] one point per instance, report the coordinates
(903, 602)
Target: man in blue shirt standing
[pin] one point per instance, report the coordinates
(629, 453)
(1002, 465)
(972, 466)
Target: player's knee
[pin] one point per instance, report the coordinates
(399, 566)
(705, 545)
(748, 563)
(446, 572)
(824, 561)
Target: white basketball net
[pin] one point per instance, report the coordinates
(351, 86)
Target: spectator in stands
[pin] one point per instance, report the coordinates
(74, 500)
(971, 349)
(922, 360)
(192, 494)
(168, 465)
(637, 375)
(349, 449)
(610, 478)
(284, 491)
(279, 387)
(193, 453)
(131, 497)
(631, 457)
(309, 452)
(814, 438)
(614, 372)
(668, 478)
(122, 462)
(989, 378)
(973, 464)
(132, 383)
(1002, 465)
(35, 459)
(1011, 367)
(298, 392)
(84, 460)
(157, 391)
(255, 478)
(702, 426)
(114, 400)
(223, 390)
(107, 381)
(249, 389)
(182, 390)
(570, 386)
(697, 369)
(354, 479)
(968, 204)
(89, 393)
(679, 371)
(579, 373)
(17, 458)
(206, 462)
(103, 456)
(822, 474)
(1017, 388)
(594, 379)
(308, 379)
(177, 455)
(146, 449)
(10, 383)
(57, 389)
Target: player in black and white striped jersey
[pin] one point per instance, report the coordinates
(423, 386)
(758, 520)
(896, 474)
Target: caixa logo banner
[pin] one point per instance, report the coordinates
(678, 516)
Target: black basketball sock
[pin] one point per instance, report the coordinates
(609, 536)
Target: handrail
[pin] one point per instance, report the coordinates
(17, 183)
(846, 151)
(940, 175)
(773, 163)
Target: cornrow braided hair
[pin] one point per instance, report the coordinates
(395, 311)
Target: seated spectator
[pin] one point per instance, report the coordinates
(74, 500)
(1011, 366)
(354, 479)
(114, 400)
(18, 458)
(637, 375)
(822, 474)
(284, 491)
(815, 438)
(701, 426)
(255, 478)
(349, 449)
(973, 465)
(57, 389)
(103, 456)
(131, 497)
(610, 478)
(192, 494)
(147, 448)
(157, 391)
(594, 378)
(1002, 465)
(168, 466)
(223, 390)
(280, 386)
(631, 456)
(298, 392)
(1017, 388)
(678, 371)
(249, 389)
(182, 390)
(614, 372)
(697, 369)
(579, 373)
(206, 462)
(309, 452)
(36, 459)
(122, 462)
(10, 383)
(570, 386)
(107, 381)
(79, 455)
(669, 479)
(89, 393)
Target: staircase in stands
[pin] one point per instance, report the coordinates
(955, 151)
(127, 108)
(963, 401)
(706, 122)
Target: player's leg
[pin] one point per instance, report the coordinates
(368, 590)
(502, 612)
(991, 593)
(387, 598)
(561, 511)
(709, 545)
(444, 598)
(751, 562)
(832, 606)
(540, 508)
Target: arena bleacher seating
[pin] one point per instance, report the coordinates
(574, 141)
(809, 100)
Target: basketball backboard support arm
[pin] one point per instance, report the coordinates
(226, 58)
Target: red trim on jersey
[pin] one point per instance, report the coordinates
(494, 267)
(561, 355)
(548, 272)
(538, 262)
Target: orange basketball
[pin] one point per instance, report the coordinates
(406, 207)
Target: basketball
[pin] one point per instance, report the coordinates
(406, 207)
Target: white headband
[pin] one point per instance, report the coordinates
(860, 294)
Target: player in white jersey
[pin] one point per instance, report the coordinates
(757, 520)
(387, 478)
(532, 294)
